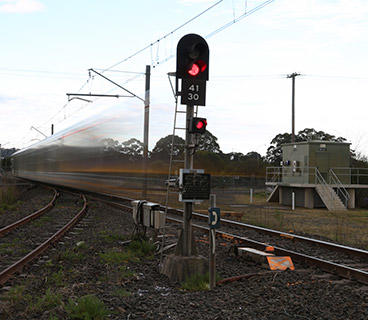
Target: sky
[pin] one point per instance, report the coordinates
(47, 47)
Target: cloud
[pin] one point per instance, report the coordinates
(20, 6)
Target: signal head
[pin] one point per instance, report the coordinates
(198, 125)
(192, 58)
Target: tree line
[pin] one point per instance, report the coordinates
(210, 156)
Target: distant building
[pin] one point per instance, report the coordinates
(320, 175)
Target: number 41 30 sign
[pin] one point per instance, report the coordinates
(193, 92)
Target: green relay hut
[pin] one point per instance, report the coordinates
(319, 175)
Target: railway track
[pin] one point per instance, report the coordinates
(344, 261)
(23, 245)
(34, 215)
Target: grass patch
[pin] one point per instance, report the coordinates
(8, 207)
(117, 257)
(121, 293)
(72, 255)
(47, 302)
(125, 273)
(87, 308)
(109, 237)
(196, 282)
(5, 248)
(56, 278)
(133, 253)
(16, 295)
(41, 221)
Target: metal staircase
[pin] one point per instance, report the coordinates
(340, 189)
(328, 194)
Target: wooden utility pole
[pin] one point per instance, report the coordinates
(292, 76)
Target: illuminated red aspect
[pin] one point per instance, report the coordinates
(197, 67)
(194, 70)
(201, 124)
(203, 65)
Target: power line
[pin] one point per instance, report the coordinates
(336, 77)
(136, 53)
(225, 26)
(165, 36)
(253, 10)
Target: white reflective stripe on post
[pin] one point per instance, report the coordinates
(293, 200)
(251, 195)
(213, 240)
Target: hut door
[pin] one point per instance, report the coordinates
(323, 164)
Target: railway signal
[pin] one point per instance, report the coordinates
(192, 58)
(198, 125)
(192, 67)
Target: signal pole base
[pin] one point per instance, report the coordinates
(179, 268)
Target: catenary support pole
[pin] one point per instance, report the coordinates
(146, 129)
(52, 129)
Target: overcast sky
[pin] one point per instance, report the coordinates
(48, 46)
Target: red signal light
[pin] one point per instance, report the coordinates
(197, 67)
(201, 124)
(194, 70)
(198, 125)
(202, 65)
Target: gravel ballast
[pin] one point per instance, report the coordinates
(84, 263)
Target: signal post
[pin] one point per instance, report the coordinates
(192, 65)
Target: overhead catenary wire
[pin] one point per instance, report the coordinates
(163, 37)
(139, 51)
(225, 26)
(235, 20)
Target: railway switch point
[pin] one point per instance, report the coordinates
(266, 258)
(254, 254)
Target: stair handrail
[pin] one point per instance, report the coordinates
(273, 174)
(320, 180)
(340, 188)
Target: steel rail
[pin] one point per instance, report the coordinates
(30, 217)
(6, 274)
(330, 245)
(325, 265)
(328, 266)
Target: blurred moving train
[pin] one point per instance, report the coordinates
(102, 154)
(89, 156)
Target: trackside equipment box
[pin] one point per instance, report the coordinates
(194, 185)
(148, 214)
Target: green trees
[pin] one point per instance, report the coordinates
(209, 156)
(274, 156)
